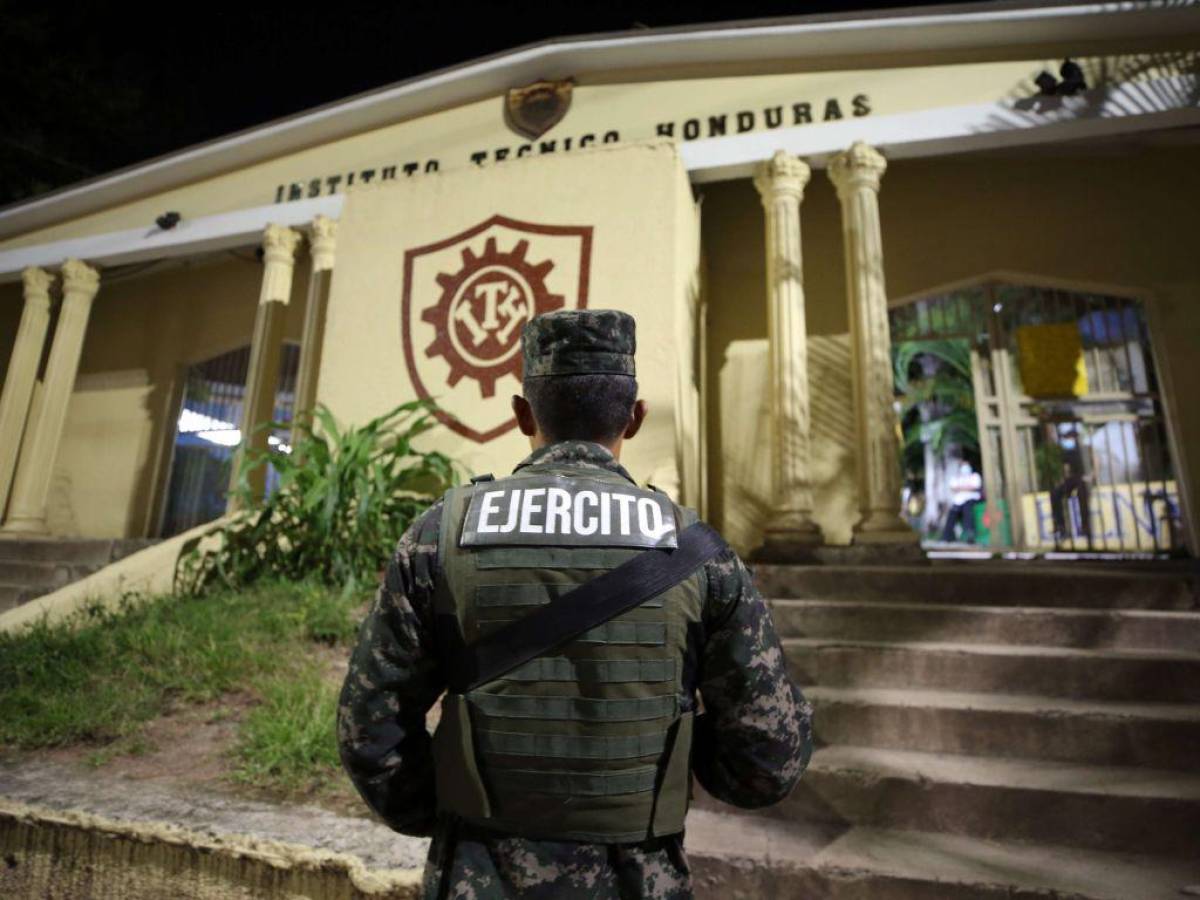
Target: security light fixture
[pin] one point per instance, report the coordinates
(1072, 81)
(1046, 83)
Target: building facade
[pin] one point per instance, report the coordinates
(780, 204)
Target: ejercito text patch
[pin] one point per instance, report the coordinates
(556, 511)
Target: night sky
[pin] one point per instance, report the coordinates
(90, 87)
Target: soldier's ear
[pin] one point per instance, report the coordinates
(524, 412)
(640, 410)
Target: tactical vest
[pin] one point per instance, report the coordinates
(587, 742)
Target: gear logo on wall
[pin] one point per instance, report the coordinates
(465, 299)
(483, 306)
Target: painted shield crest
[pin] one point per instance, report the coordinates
(465, 301)
(533, 110)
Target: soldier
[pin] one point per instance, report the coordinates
(569, 774)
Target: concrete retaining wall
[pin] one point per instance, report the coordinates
(50, 854)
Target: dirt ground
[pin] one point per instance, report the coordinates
(191, 748)
(180, 771)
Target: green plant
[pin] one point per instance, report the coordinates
(344, 497)
(1048, 459)
(98, 677)
(288, 740)
(948, 395)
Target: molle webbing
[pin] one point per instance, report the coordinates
(648, 634)
(564, 746)
(598, 671)
(596, 717)
(581, 784)
(572, 709)
(531, 595)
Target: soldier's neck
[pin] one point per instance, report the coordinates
(538, 440)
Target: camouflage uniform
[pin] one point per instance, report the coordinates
(751, 744)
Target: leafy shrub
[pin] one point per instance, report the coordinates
(344, 497)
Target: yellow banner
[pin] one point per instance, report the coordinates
(1050, 359)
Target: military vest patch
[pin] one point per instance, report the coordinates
(556, 511)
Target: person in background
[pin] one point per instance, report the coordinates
(966, 489)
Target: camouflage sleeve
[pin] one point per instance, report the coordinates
(392, 682)
(755, 736)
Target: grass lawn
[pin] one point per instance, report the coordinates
(100, 681)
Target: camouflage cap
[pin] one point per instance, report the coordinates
(579, 342)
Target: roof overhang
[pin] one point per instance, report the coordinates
(929, 31)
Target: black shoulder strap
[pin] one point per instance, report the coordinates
(603, 598)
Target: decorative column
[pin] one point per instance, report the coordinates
(262, 376)
(856, 174)
(322, 243)
(791, 532)
(22, 372)
(27, 512)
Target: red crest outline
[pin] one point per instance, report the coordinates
(583, 232)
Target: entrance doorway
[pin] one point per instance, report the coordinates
(207, 434)
(1052, 397)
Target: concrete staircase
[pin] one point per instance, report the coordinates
(31, 568)
(994, 731)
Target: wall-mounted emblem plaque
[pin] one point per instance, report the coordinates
(533, 110)
(465, 301)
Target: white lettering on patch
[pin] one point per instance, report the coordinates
(529, 509)
(558, 516)
(487, 508)
(563, 511)
(585, 526)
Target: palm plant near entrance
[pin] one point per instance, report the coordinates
(937, 411)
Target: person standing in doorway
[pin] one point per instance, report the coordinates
(966, 489)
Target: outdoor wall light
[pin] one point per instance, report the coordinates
(1046, 83)
(1072, 81)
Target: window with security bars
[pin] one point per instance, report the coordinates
(208, 432)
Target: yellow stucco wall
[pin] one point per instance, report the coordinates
(630, 111)
(145, 328)
(636, 202)
(1104, 217)
(1110, 216)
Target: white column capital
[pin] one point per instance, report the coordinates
(279, 256)
(781, 174)
(37, 283)
(323, 241)
(80, 278)
(279, 243)
(860, 166)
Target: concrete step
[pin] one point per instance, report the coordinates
(42, 574)
(13, 595)
(743, 856)
(1156, 735)
(76, 551)
(1127, 809)
(1133, 675)
(985, 584)
(1078, 628)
